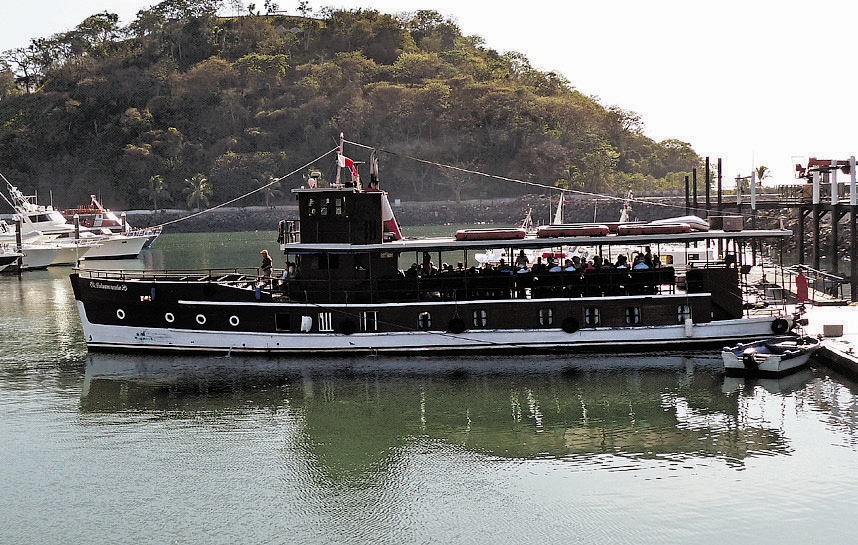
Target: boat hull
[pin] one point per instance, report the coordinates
(155, 338)
(757, 359)
(117, 247)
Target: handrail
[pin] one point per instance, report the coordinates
(831, 285)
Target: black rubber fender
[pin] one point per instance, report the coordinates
(456, 325)
(780, 326)
(570, 325)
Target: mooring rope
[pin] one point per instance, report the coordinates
(258, 189)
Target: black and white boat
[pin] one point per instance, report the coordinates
(347, 289)
(772, 356)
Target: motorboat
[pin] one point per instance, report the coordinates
(50, 224)
(95, 216)
(8, 257)
(772, 356)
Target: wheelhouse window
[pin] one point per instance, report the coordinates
(424, 320)
(546, 316)
(591, 316)
(323, 210)
(326, 323)
(369, 321)
(683, 312)
(338, 206)
(633, 315)
(480, 318)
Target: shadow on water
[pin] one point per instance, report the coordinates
(355, 414)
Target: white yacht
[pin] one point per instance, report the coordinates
(51, 225)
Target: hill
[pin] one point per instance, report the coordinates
(185, 105)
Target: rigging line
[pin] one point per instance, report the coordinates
(525, 182)
(272, 182)
(3, 194)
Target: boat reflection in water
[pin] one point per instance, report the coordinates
(353, 414)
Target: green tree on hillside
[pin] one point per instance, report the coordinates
(182, 90)
(154, 190)
(198, 191)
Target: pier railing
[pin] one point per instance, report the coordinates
(777, 284)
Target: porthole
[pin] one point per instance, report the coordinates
(169, 317)
(120, 314)
(201, 319)
(233, 321)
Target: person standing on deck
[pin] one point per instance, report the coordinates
(266, 265)
(801, 286)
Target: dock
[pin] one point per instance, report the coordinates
(839, 327)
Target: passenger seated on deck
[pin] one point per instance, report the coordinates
(539, 266)
(639, 263)
(553, 266)
(570, 265)
(622, 262)
(521, 261)
(413, 271)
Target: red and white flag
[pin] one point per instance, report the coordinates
(345, 162)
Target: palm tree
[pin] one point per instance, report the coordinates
(198, 189)
(763, 172)
(154, 190)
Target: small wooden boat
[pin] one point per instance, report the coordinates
(573, 230)
(653, 229)
(774, 356)
(510, 233)
(614, 226)
(696, 223)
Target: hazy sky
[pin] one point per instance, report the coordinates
(753, 82)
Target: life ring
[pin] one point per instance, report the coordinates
(347, 326)
(456, 325)
(780, 326)
(570, 325)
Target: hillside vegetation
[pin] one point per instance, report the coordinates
(185, 107)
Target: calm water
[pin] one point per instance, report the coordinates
(628, 450)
